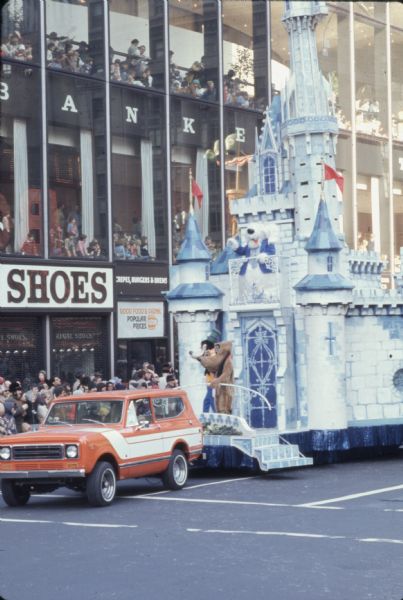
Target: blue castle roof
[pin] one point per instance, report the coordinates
(185, 291)
(323, 236)
(193, 248)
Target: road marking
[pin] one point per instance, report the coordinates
(239, 502)
(353, 496)
(200, 485)
(295, 534)
(69, 523)
(205, 501)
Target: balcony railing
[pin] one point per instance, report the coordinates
(249, 285)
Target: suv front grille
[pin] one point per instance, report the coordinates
(54, 452)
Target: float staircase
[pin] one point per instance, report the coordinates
(270, 450)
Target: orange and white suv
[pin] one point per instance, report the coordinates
(90, 441)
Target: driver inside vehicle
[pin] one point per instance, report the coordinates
(143, 410)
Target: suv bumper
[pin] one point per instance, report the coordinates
(57, 474)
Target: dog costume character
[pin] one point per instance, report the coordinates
(258, 250)
(220, 364)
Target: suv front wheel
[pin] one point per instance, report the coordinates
(176, 474)
(101, 484)
(14, 494)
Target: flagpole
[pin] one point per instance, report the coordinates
(190, 193)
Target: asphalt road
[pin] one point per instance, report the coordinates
(333, 531)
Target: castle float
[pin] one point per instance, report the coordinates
(315, 333)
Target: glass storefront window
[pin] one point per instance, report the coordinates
(371, 82)
(78, 344)
(280, 55)
(372, 197)
(20, 31)
(195, 159)
(193, 56)
(396, 51)
(77, 168)
(20, 161)
(245, 53)
(75, 36)
(137, 42)
(241, 129)
(333, 44)
(21, 348)
(138, 175)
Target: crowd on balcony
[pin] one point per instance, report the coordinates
(134, 67)
(17, 48)
(65, 54)
(24, 404)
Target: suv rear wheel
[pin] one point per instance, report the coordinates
(14, 494)
(176, 475)
(101, 484)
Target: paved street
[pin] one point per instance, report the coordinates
(332, 532)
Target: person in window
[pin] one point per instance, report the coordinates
(143, 411)
(72, 237)
(144, 247)
(81, 247)
(9, 49)
(30, 246)
(146, 78)
(209, 92)
(133, 50)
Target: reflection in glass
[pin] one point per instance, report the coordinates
(75, 36)
(334, 60)
(20, 161)
(138, 175)
(241, 129)
(195, 172)
(280, 55)
(137, 43)
(78, 344)
(76, 166)
(245, 53)
(21, 348)
(371, 84)
(193, 48)
(20, 31)
(396, 40)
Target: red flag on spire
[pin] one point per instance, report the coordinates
(330, 173)
(196, 191)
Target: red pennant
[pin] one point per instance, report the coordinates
(330, 173)
(196, 191)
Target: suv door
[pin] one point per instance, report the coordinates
(144, 445)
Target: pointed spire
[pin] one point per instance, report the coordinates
(193, 248)
(323, 236)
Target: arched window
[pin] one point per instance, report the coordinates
(269, 175)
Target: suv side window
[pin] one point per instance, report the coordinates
(131, 420)
(143, 410)
(167, 408)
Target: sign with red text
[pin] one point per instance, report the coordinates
(140, 320)
(54, 287)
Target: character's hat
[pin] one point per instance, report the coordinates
(214, 336)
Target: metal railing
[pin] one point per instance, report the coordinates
(243, 400)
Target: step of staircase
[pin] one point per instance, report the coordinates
(264, 445)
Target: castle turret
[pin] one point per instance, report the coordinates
(323, 297)
(195, 303)
(309, 126)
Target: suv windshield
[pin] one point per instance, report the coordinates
(93, 411)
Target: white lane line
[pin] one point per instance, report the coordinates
(200, 485)
(393, 510)
(205, 501)
(295, 534)
(353, 496)
(70, 523)
(270, 533)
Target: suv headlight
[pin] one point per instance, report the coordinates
(5, 453)
(71, 451)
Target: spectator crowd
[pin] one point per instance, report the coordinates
(24, 405)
